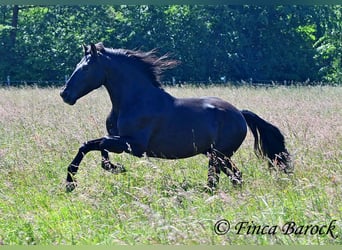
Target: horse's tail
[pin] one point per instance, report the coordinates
(268, 141)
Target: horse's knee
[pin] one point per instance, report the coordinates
(84, 148)
(111, 145)
(119, 145)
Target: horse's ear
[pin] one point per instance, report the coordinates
(85, 48)
(93, 50)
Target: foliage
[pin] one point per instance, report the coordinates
(241, 42)
(329, 48)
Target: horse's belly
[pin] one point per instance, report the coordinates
(178, 151)
(181, 141)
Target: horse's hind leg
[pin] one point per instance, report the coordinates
(231, 171)
(107, 165)
(213, 170)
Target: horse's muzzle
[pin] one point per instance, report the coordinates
(67, 98)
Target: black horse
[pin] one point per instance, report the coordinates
(146, 120)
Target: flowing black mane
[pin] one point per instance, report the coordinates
(149, 62)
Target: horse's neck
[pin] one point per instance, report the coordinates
(131, 86)
(135, 93)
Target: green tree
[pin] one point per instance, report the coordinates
(279, 43)
(329, 45)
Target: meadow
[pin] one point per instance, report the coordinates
(163, 201)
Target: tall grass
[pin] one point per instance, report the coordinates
(162, 201)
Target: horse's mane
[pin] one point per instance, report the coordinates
(150, 63)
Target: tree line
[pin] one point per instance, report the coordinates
(214, 43)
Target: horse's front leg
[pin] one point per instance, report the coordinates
(118, 144)
(114, 144)
(73, 167)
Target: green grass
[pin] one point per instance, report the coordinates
(162, 201)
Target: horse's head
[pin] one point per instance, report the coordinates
(88, 75)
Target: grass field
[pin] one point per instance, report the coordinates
(162, 201)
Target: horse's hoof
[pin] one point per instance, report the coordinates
(116, 168)
(211, 186)
(236, 178)
(209, 189)
(237, 181)
(288, 169)
(70, 186)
